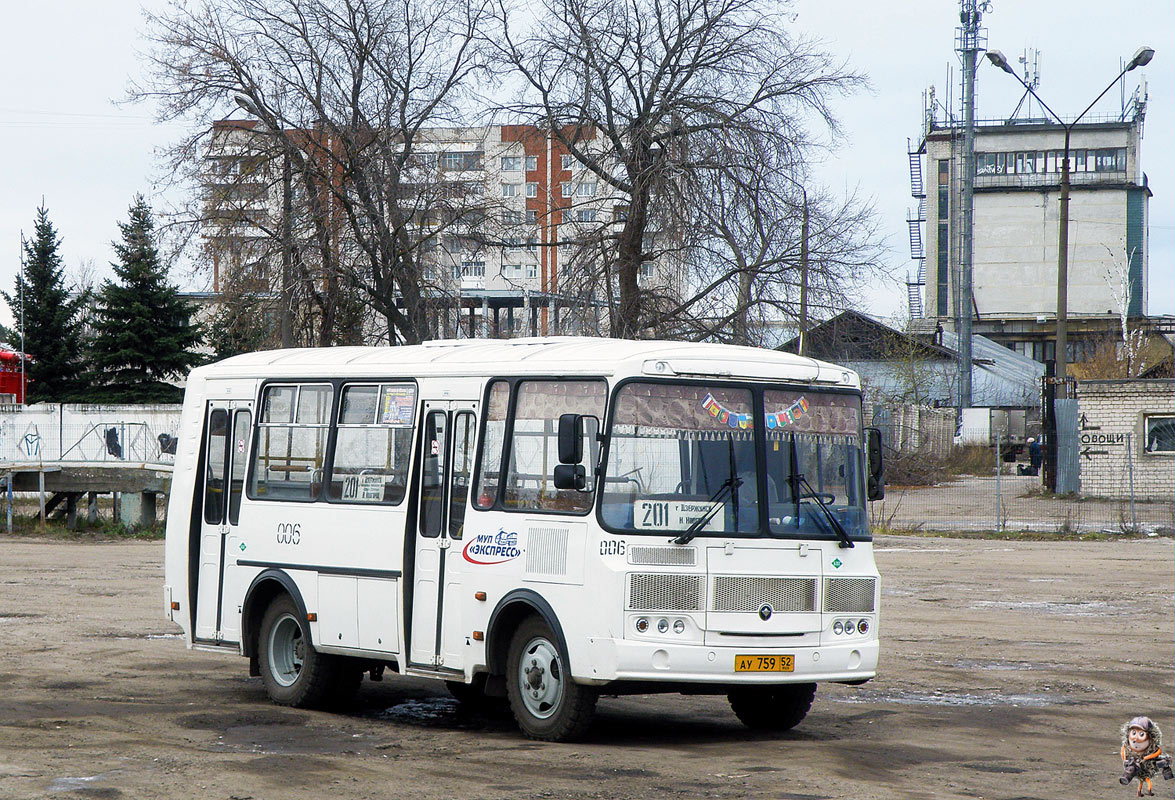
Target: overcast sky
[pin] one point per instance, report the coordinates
(65, 63)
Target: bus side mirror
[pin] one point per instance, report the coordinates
(570, 439)
(875, 483)
(570, 476)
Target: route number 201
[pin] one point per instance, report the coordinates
(656, 515)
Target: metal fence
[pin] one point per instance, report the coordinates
(995, 487)
(109, 441)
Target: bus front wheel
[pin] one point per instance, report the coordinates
(546, 702)
(772, 708)
(294, 673)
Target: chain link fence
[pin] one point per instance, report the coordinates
(999, 487)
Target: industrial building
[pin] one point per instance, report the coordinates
(1016, 215)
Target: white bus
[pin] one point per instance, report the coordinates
(540, 519)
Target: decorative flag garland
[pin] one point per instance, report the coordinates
(775, 419)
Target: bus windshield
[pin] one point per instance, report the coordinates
(683, 457)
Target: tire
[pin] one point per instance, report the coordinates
(294, 673)
(772, 708)
(547, 704)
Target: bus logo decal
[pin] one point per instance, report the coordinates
(492, 548)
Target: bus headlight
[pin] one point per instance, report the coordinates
(838, 628)
(662, 626)
(863, 626)
(642, 625)
(679, 626)
(850, 626)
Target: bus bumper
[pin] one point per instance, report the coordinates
(623, 660)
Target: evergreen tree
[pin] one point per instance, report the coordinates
(143, 335)
(52, 323)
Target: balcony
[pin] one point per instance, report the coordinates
(1038, 180)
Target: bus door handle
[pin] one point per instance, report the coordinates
(444, 542)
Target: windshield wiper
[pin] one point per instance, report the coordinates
(797, 480)
(728, 486)
(841, 533)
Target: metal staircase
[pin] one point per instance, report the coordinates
(914, 220)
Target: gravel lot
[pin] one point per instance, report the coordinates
(1007, 669)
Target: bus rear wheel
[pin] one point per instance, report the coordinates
(294, 673)
(772, 708)
(546, 702)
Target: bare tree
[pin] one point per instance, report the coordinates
(342, 94)
(689, 111)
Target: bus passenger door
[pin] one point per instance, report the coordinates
(226, 437)
(447, 436)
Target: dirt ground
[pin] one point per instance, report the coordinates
(1007, 669)
(969, 503)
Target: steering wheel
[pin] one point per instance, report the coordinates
(828, 498)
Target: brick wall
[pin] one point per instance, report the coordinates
(1112, 438)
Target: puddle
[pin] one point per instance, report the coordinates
(5, 616)
(1090, 608)
(83, 786)
(989, 699)
(418, 711)
(72, 784)
(995, 666)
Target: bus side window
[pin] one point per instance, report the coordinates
(373, 443)
(241, 423)
(490, 469)
(432, 484)
(534, 441)
(463, 435)
(214, 483)
(292, 430)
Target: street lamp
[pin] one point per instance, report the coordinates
(1142, 57)
(285, 312)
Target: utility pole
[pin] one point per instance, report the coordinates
(24, 381)
(803, 348)
(968, 45)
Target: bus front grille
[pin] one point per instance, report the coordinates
(664, 592)
(744, 593)
(849, 595)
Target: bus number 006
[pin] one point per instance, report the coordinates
(289, 533)
(612, 547)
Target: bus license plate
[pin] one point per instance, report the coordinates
(753, 663)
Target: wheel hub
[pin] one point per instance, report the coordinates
(540, 680)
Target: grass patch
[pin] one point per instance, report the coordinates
(101, 531)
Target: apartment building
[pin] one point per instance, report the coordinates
(1015, 229)
(501, 247)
